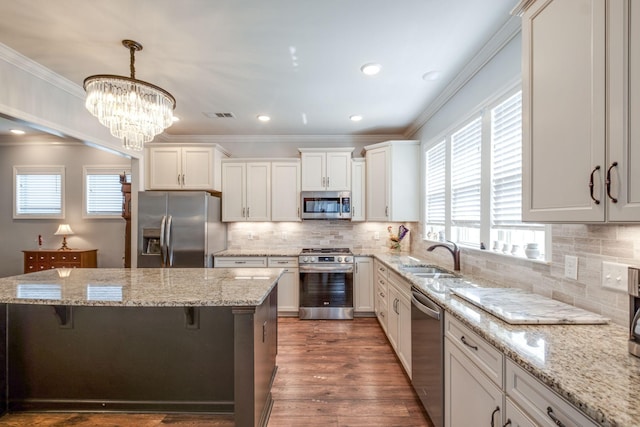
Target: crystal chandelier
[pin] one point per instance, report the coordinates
(133, 110)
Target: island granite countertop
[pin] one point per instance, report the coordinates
(143, 287)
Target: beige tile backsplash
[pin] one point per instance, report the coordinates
(592, 244)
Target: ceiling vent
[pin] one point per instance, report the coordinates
(220, 115)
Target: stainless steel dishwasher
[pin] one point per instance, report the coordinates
(427, 355)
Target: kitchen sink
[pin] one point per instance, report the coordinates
(435, 275)
(427, 271)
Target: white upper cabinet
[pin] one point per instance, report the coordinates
(580, 67)
(393, 181)
(324, 170)
(358, 189)
(246, 191)
(285, 191)
(184, 168)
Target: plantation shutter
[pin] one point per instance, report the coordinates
(466, 175)
(435, 185)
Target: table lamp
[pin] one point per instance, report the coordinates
(64, 230)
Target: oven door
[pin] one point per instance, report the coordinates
(326, 292)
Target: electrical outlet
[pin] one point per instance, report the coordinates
(376, 235)
(571, 267)
(250, 235)
(615, 276)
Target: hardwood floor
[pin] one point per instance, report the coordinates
(330, 374)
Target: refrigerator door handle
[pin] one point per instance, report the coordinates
(169, 242)
(163, 246)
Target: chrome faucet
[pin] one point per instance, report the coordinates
(455, 252)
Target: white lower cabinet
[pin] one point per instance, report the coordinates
(484, 388)
(288, 285)
(363, 295)
(399, 321)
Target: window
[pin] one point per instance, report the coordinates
(473, 188)
(103, 191)
(38, 192)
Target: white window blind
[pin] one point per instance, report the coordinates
(435, 200)
(466, 175)
(103, 192)
(38, 192)
(506, 138)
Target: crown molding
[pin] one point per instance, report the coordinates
(522, 7)
(503, 36)
(315, 139)
(30, 66)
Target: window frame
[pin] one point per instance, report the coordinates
(88, 170)
(431, 232)
(39, 170)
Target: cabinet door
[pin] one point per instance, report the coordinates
(165, 168)
(377, 185)
(363, 284)
(233, 192)
(515, 417)
(197, 168)
(403, 307)
(285, 191)
(258, 191)
(563, 77)
(338, 171)
(313, 171)
(624, 102)
(358, 178)
(393, 321)
(288, 291)
(470, 399)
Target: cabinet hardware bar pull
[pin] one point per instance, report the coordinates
(178, 179)
(608, 182)
(386, 211)
(464, 341)
(243, 211)
(327, 181)
(554, 418)
(248, 212)
(596, 201)
(508, 423)
(493, 414)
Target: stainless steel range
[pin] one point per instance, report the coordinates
(326, 283)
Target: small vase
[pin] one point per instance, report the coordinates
(532, 251)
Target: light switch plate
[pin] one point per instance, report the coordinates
(376, 235)
(571, 267)
(615, 276)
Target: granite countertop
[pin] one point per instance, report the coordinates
(290, 252)
(143, 287)
(588, 365)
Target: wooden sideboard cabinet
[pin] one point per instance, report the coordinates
(46, 259)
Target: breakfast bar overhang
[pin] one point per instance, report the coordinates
(140, 340)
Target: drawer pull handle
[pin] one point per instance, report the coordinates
(240, 262)
(464, 341)
(493, 415)
(596, 201)
(508, 423)
(554, 418)
(608, 182)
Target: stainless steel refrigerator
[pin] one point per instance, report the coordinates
(179, 229)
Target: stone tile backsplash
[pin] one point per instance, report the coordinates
(591, 244)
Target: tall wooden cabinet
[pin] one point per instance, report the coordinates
(246, 191)
(581, 144)
(393, 181)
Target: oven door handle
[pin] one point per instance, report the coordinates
(322, 269)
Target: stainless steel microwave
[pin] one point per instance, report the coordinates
(326, 204)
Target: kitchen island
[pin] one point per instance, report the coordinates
(155, 340)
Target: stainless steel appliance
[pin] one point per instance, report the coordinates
(427, 355)
(326, 204)
(326, 283)
(179, 229)
(634, 311)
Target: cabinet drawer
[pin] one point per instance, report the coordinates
(403, 286)
(282, 262)
(382, 312)
(381, 269)
(382, 291)
(232, 262)
(540, 402)
(483, 354)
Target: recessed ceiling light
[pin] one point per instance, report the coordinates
(371, 69)
(17, 132)
(355, 118)
(264, 118)
(430, 76)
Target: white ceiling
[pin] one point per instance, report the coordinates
(295, 60)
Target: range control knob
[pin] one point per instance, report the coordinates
(339, 259)
(313, 259)
(347, 259)
(305, 259)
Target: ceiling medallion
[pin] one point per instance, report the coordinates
(133, 110)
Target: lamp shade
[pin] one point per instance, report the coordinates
(63, 230)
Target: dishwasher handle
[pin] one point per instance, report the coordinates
(425, 305)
